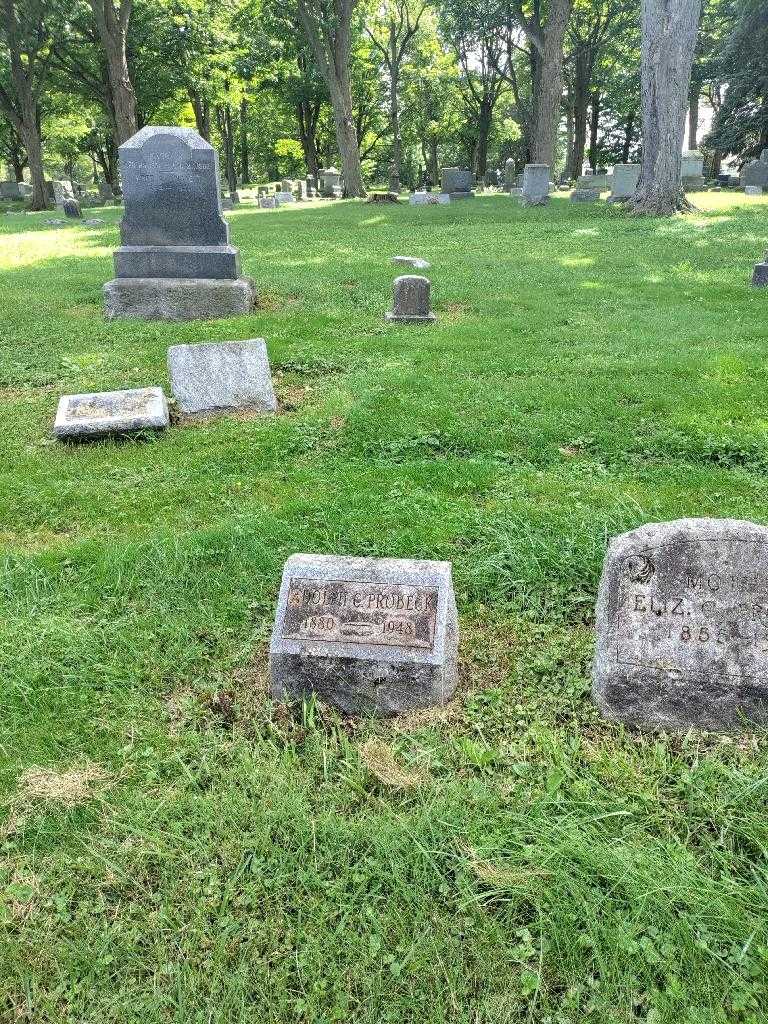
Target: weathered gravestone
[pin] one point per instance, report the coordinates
(585, 195)
(752, 190)
(62, 190)
(370, 636)
(221, 377)
(10, 190)
(692, 169)
(283, 198)
(71, 209)
(106, 192)
(175, 261)
(456, 182)
(330, 183)
(411, 300)
(535, 185)
(429, 199)
(760, 273)
(267, 202)
(624, 182)
(682, 626)
(111, 412)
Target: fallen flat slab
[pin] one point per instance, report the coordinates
(102, 413)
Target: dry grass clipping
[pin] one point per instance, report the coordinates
(380, 761)
(69, 788)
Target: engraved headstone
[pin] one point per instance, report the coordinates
(585, 195)
(535, 185)
(330, 183)
(752, 190)
(370, 636)
(175, 261)
(411, 300)
(682, 626)
(267, 202)
(111, 412)
(221, 377)
(429, 199)
(10, 190)
(283, 198)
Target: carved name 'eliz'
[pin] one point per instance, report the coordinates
(343, 611)
(696, 619)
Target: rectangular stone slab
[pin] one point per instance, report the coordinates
(682, 626)
(369, 636)
(173, 298)
(199, 261)
(111, 412)
(221, 376)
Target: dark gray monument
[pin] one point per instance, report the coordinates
(175, 261)
(535, 185)
(682, 626)
(411, 301)
(71, 209)
(371, 636)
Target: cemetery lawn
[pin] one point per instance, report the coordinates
(173, 846)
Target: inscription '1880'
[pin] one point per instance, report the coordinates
(346, 611)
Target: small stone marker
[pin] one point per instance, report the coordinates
(752, 190)
(411, 300)
(760, 273)
(93, 221)
(175, 261)
(285, 197)
(585, 195)
(54, 220)
(535, 185)
(429, 199)
(221, 376)
(111, 412)
(415, 262)
(682, 626)
(370, 636)
(267, 202)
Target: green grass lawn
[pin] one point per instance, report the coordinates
(177, 848)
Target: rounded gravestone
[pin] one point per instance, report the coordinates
(411, 300)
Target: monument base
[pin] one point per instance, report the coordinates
(533, 200)
(168, 298)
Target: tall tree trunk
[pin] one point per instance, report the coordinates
(581, 76)
(112, 17)
(433, 167)
(202, 110)
(30, 134)
(245, 169)
(224, 120)
(629, 131)
(693, 115)
(16, 156)
(569, 133)
(717, 159)
(549, 83)
(484, 120)
(307, 115)
(594, 124)
(331, 49)
(668, 36)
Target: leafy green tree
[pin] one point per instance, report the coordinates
(741, 123)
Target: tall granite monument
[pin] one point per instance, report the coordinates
(175, 261)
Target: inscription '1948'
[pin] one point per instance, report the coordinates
(345, 611)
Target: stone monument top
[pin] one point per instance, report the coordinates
(171, 189)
